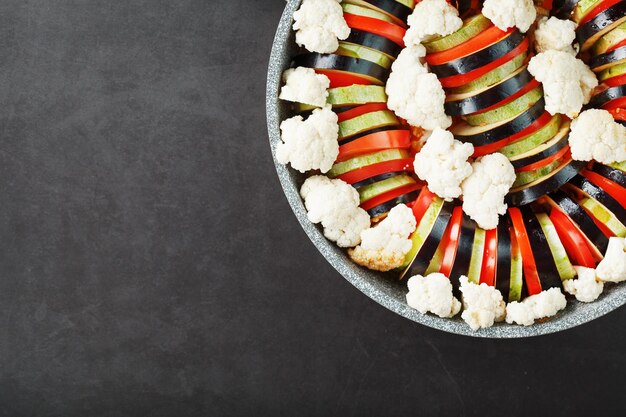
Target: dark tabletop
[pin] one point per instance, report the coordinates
(151, 266)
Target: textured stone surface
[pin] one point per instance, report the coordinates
(151, 266)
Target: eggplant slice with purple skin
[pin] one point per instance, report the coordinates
(588, 33)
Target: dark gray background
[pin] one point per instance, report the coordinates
(150, 265)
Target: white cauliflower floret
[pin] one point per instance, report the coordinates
(586, 287)
(545, 304)
(433, 294)
(484, 190)
(319, 24)
(442, 163)
(567, 81)
(613, 267)
(303, 85)
(595, 135)
(335, 205)
(509, 13)
(431, 17)
(482, 305)
(555, 34)
(311, 143)
(414, 94)
(385, 246)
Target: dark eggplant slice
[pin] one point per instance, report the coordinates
(369, 132)
(428, 249)
(600, 62)
(542, 152)
(503, 264)
(495, 134)
(377, 42)
(551, 182)
(622, 122)
(489, 97)
(546, 266)
(343, 63)
(387, 206)
(613, 174)
(463, 252)
(463, 6)
(598, 194)
(480, 58)
(590, 32)
(606, 96)
(562, 9)
(390, 7)
(376, 178)
(579, 216)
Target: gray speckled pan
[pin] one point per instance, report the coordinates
(385, 288)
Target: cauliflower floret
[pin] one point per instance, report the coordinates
(567, 81)
(555, 34)
(484, 190)
(442, 163)
(303, 85)
(335, 205)
(319, 24)
(311, 143)
(482, 305)
(595, 135)
(432, 293)
(545, 304)
(414, 94)
(431, 17)
(509, 13)
(613, 267)
(384, 247)
(586, 287)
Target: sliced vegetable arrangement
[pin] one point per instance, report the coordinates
(484, 140)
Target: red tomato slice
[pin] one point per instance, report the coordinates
(452, 242)
(490, 257)
(618, 103)
(612, 188)
(575, 244)
(602, 6)
(531, 276)
(423, 201)
(344, 78)
(360, 111)
(618, 114)
(379, 141)
(485, 38)
(461, 79)
(615, 81)
(530, 86)
(565, 152)
(378, 27)
(370, 171)
(389, 195)
(494, 147)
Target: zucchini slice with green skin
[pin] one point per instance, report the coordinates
(366, 122)
(392, 8)
(606, 96)
(533, 191)
(425, 245)
(588, 188)
(387, 206)
(504, 255)
(486, 135)
(354, 8)
(455, 106)
(480, 58)
(373, 41)
(471, 27)
(581, 219)
(463, 256)
(527, 144)
(515, 107)
(613, 174)
(546, 266)
(604, 216)
(561, 260)
(527, 177)
(363, 67)
(558, 142)
(607, 20)
(610, 39)
(361, 161)
(363, 52)
(517, 290)
(478, 252)
(601, 62)
(355, 95)
(562, 9)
